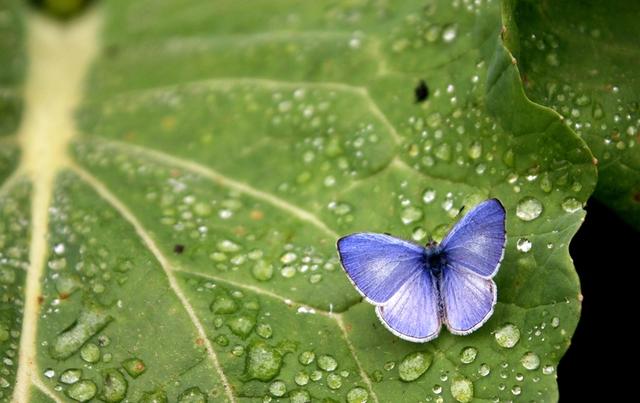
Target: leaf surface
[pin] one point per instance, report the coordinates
(183, 238)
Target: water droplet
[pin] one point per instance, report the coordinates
(449, 33)
(418, 234)
(90, 322)
(428, 195)
(263, 361)
(262, 271)
(134, 367)
(82, 391)
(516, 390)
(468, 355)
(389, 365)
(49, 373)
(222, 340)
(462, 389)
(507, 336)
(277, 388)
(71, 376)
(241, 325)
(357, 395)
(228, 246)
(334, 381)
(301, 378)
(223, 304)
(288, 257)
(264, 330)
(288, 271)
(437, 389)
(571, 205)
(327, 363)
(528, 209)
(306, 357)
(443, 152)
(523, 245)
(299, 396)
(90, 353)
(530, 361)
(555, 322)
(114, 386)
(192, 395)
(475, 150)
(340, 208)
(484, 370)
(548, 369)
(316, 375)
(410, 214)
(414, 365)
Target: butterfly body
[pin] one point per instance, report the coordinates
(417, 289)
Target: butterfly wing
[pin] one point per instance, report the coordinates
(413, 313)
(477, 242)
(468, 299)
(378, 265)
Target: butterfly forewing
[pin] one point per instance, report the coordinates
(413, 312)
(378, 264)
(477, 241)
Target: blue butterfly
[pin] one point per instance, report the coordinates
(418, 288)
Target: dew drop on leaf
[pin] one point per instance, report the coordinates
(462, 389)
(277, 388)
(414, 365)
(306, 357)
(528, 209)
(530, 361)
(192, 395)
(357, 395)
(410, 215)
(82, 391)
(327, 363)
(468, 355)
(571, 205)
(507, 336)
(523, 245)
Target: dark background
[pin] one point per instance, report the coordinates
(604, 252)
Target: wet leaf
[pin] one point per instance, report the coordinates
(190, 195)
(581, 58)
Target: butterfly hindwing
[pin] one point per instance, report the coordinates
(476, 243)
(413, 313)
(468, 299)
(379, 265)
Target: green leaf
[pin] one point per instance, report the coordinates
(580, 58)
(177, 216)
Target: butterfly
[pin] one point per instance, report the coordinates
(418, 288)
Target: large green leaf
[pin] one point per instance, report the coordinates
(183, 227)
(581, 59)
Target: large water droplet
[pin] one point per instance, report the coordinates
(523, 245)
(507, 336)
(192, 395)
(114, 386)
(299, 396)
(548, 369)
(528, 209)
(263, 361)
(262, 271)
(414, 365)
(571, 205)
(71, 376)
(484, 370)
(277, 388)
(306, 357)
(468, 355)
(410, 214)
(134, 367)
(428, 195)
(223, 304)
(530, 361)
(462, 389)
(357, 395)
(82, 391)
(334, 381)
(90, 322)
(90, 353)
(242, 325)
(301, 378)
(327, 363)
(264, 330)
